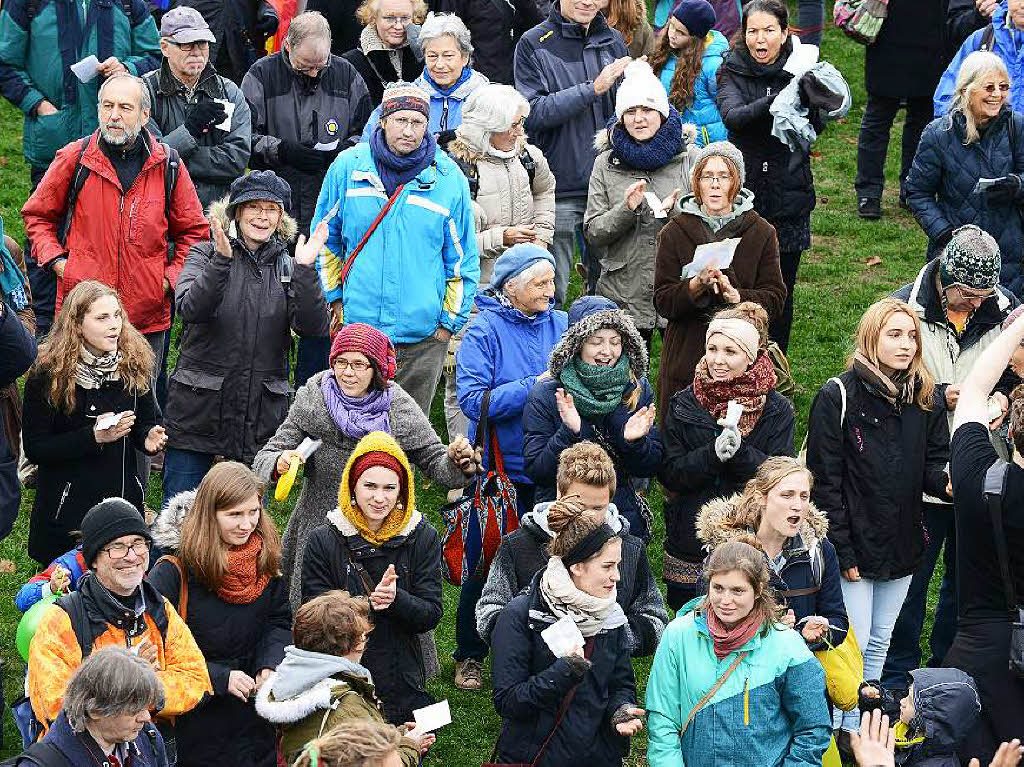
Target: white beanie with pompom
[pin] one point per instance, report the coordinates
(640, 87)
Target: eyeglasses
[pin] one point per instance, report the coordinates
(972, 295)
(310, 68)
(710, 178)
(198, 45)
(990, 88)
(396, 21)
(120, 550)
(357, 366)
(255, 209)
(416, 123)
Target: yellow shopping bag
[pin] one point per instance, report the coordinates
(844, 671)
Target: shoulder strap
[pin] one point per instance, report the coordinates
(171, 169)
(373, 227)
(529, 164)
(182, 605)
(995, 488)
(842, 397)
(41, 754)
(715, 688)
(987, 38)
(78, 177)
(72, 605)
(558, 721)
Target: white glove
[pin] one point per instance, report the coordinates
(727, 443)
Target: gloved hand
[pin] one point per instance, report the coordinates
(943, 237)
(727, 443)
(266, 24)
(203, 116)
(300, 157)
(815, 95)
(1005, 190)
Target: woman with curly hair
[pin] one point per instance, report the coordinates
(88, 407)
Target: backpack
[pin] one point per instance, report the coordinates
(469, 169)
(987, 38)
(38, 754)
(32, 8)
(842, 416)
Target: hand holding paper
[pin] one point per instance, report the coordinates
(562, 637)
(713, 255)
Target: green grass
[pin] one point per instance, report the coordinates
(834, 287)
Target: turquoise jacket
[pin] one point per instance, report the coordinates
(36, 55)
(771, 711)
(419, 270)
(703, 112)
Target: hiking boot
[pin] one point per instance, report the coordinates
(469, 674)
(869, 208)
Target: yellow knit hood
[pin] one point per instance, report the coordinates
(398, 519)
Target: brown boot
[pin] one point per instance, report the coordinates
(469, 674)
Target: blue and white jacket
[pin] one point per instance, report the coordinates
(703, 110)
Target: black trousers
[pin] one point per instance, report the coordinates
(780, 329)
(873, 141)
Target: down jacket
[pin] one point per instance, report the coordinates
(940, 186)
(229, 390)
(703, 108)
(147, 750)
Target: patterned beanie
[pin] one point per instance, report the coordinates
(366, 339)
(402, 96)
(970, 259)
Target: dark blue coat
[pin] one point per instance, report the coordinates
(17, 353)
(940, 187)
(80, 749)
(545, 437)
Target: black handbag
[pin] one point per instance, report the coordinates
(995, 489)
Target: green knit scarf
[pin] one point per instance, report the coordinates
(596, 389)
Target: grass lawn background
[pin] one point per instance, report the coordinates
(835, 285)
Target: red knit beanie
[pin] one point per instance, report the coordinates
(377, 458)
(367, 340)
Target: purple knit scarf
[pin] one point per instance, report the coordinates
(356, 416)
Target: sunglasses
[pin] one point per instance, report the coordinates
(990, 88)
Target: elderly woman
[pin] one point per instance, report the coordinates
(229, 391)
(719, 209)
(643, 153)
(340, 406)
(106, 713)
(448, 77)
(385, 52)
(505, 351)
(596, 389)
(981, 137)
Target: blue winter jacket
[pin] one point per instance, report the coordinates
(703, 111)
(940, 186)
(147, 750)
(32, 591)
(445, 110)
(419, 270)
(1007, 44)
(771, 711)
(504, 351)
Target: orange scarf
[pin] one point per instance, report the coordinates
(241, 584)
(728, 639)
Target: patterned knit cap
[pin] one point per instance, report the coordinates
(401, 96)
(366, 339)
(970, 259)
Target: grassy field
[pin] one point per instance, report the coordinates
(835, 285)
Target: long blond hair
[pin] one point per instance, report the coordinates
(869, 330)
(751, 506)
(974, 67)
(60, 350)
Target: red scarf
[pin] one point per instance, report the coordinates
(726, 640)
(750, 389)
(241, 584)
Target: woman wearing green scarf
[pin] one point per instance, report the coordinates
(596, 389)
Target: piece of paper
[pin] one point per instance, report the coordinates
(229, 107)
(430, 718)
(714, 255)
(562, 637)
(803, 57)
(733, 411)
(985, 183)
(655, 203)
(329, 146)
(86, 69)
(107, 420)
(994, 410)
(307, 447)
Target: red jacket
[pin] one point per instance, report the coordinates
(119, 238)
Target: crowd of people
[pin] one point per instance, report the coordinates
(405, 192)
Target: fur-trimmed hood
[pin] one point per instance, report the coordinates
(346, 528)
(166, 530)
(287, 227)
(603, 144)
(307, 681)
(632, 342)
(714, 516)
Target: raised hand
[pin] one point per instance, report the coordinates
(875, 744)
(384, 594)
(639, 424)
(156, 440)
(306, 251)
(634, 194)
(567, 411)
(60, 580)
(220, 239)
(729, 294)
(669, 203)
(1008, 755)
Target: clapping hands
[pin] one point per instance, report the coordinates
(639, 424)
(386, 590)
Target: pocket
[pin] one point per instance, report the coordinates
(194, 402)
(144, 228)
(44, 135)
(273, 408)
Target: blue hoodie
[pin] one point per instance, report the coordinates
(703, 110)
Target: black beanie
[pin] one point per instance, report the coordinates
(109, 520)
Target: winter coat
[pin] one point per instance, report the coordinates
(119, 237)
(419, 271)
(555, 66)
(322, 696)
(703, 108)
(780, 179)
(36, 55)
(17, 353)
(770, 710)
(216, 158)
(229, 390)
(524, 552)
(728, 14)
(505, 197)
(75, 471)
(641, 39)
(810, 565)
(692, 472)
(940, 186)
(376, 69)
(530, 685)
(78, 748)
(233, 22)
(870, 468)
(623, 238)
(286, 108)
(946, 706)
(55, 653)
(754, 272)
(445, 109)
(308, 417)
(38, 586)
(244, 637)
(495, 28)
(337, 557)
(503, 352)
(906, 59)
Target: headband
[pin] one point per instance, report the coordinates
(589, 546)
(741, 332)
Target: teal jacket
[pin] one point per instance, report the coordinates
(771, 712)
(703, 110)
(41, 39)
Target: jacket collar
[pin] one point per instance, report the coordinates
(103, 610)
(342, 524)
(926, 302)
(97, 162)
(169, 85)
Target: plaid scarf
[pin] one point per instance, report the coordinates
(749, 389)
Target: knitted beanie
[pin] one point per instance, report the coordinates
(724, 149)
(402, 96)
(376, 458)
(698, 16)
(971, 259)
(367, 340)
(640, 87)
(108, 520)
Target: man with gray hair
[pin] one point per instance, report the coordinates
(307, 106)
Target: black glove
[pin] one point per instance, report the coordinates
(204, 116)
(871, 695)
(814, 95)
(300, 157)
(1004, 190)
(266, 24)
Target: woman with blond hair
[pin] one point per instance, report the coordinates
(383, 52)
(875, 443)
(358, 743)
(88, 407)
(225, 581)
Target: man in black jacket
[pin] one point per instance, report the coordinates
(495, 26)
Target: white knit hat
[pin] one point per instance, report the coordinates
(640, 87)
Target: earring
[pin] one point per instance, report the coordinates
(399, 505)
(353, 501)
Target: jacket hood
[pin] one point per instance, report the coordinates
(301, 670)
(461, 93)
(378, 441)
(287, 227)
(946, 704)
(632, 342)
(714, 518)
(744, 202)
(488, 302)
(715, 44)
(536, 521)
(166, 529)
(459, 147)
(602, 143)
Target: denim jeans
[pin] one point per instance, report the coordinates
(905, 647)
(183, 470)
(873, 607)
(311, 357)
(569, 234)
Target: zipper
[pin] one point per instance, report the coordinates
(63, 497)
(746, 702)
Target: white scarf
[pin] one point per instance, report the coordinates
(92, 371)
(590, 614)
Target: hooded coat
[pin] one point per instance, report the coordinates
(946, 708)
(523, 553)
(229, 390)
(338, 557)
(445, 108)
(244, 637)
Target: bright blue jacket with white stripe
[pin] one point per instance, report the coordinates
(419, 270)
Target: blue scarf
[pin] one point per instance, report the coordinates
(395, 170)
(356, 417)
(656, 152)
(12, 281)
(467, 73)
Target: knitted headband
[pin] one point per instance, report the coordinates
(740, 332)
(589, 546)
(376, 458)
(369, 341)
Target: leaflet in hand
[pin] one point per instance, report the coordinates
(430, 718)
(655, 203)
(307, 447)
(733, 412)
(985, 183)
(804, 57)
(86, 69)
(108, 420)
(714, 255)
(562, 637)
(326, 146)
(225, 124)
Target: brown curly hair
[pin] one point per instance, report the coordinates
(333, 623)
(688, 66)
(744, 555)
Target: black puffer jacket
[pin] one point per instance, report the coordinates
(693, 473)
(495, 27)
(377, 70)
(870, 468)
(781, 180)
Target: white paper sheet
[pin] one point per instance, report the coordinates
(107, 420)
(733, 411)
(655, 203)
(562, 637)
(225, 124)
(86, 69)
(804, 57)
(994, 410)
(430, 718)
(716, 255)
(307, 447)
(983, 184)
(330, 146)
